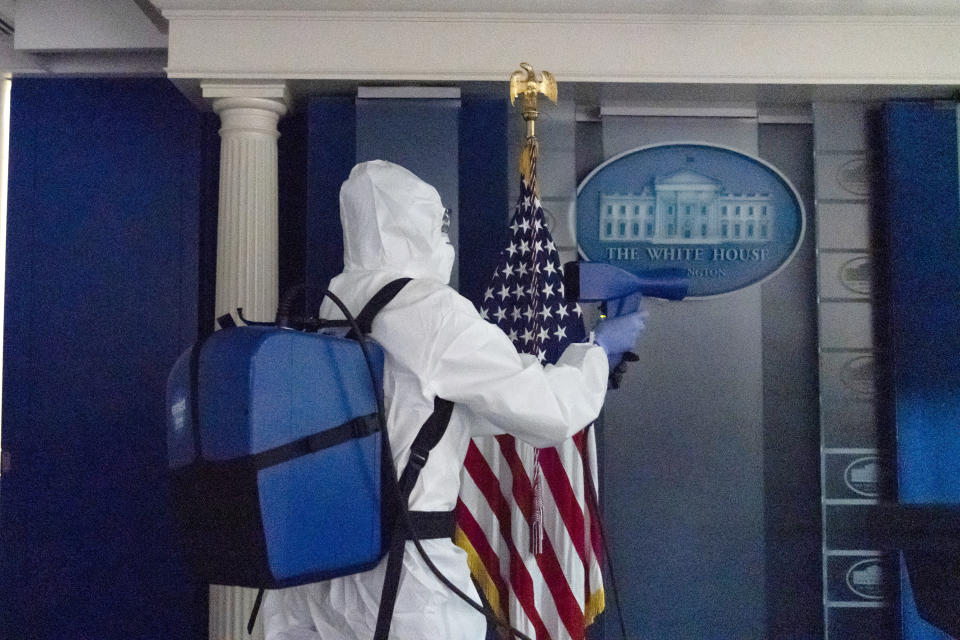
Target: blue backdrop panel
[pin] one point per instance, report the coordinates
(923, 209)
(101, 297)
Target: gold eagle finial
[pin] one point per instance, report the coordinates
(525, 82)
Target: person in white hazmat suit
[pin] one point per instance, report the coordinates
(436, 344)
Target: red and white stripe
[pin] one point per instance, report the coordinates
(553, 595)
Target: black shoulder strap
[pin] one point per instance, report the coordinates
(379, 300)
(430, 434)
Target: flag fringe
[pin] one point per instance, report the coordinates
(595, 605)
(479, 572)
(536, 522)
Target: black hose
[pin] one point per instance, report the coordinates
(595, 503)
(284, 309)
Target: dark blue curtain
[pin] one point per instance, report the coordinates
(109, 228)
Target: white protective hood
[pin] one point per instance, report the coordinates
(407, 214)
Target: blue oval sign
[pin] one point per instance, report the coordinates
(729, 219)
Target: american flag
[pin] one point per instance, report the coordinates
(548, 587)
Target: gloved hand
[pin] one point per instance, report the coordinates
(618, 335)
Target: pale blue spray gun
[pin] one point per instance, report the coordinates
(620, 292)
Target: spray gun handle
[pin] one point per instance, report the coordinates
(622, 306)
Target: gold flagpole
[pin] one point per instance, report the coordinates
(525, 82)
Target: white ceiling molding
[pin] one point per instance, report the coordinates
(650, 7)
(84, 25)
(74, 64)
(451, 46)
(13, 61)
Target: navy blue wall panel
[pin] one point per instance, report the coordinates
(922, 181)
(484, 190)
(293, 148)
(209, 176)
(102, 295)
(331, 129)
(419, 134)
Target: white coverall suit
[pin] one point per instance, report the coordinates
(436, 344)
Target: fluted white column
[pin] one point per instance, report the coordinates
(247, 250)
(247, 254)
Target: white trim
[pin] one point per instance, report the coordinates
(320, 15)
(4, 181)
(851, 451)
(408, 93)
(798, 118)
(853, 552)
(834, 502)
(733, 111)
(375, 73)
(270, 90)
(856, 604)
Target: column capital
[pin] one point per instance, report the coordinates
(220, 105)
(248, 105)
(249, 115)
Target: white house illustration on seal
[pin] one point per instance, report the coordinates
(866, 474)
(869, 576)
(686, 207)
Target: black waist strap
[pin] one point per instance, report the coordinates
(432, 524)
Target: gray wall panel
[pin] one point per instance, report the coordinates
(848, 373)
(420, 134)
(790, 410)
(683, 461)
